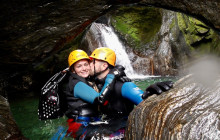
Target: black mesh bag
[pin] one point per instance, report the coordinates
(52, 101)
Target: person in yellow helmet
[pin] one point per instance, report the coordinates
(82, 95)
(78, 63)
(124, 95)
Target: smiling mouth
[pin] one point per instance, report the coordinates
(85, 72)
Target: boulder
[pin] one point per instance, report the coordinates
(190, 110)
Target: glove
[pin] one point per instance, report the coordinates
(119, 73)
(157, 88)
(124, 79)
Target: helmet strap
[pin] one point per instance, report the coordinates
(98, 73)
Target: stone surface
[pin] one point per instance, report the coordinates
(205, 10)
(8, 128)
(32, 31)
(190, 110)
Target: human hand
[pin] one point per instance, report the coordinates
(157, 88)
(124, 79)
(118, 71)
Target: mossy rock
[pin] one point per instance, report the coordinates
(138, 25)
(201, 38)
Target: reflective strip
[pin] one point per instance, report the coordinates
(87, 119)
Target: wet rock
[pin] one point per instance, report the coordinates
(8, 128)
(31, 31)
(171, 49)
(188, 111)
(202, 9)
(34, 31)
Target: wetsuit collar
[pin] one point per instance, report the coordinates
(74, 75)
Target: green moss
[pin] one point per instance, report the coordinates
(197, 35)
(172, 24)
(215, 48)
(138, 24)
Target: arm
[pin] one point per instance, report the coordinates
(87, 93)
(136, 95)
(116, 73)
(132, 92)
(109, 82)
(91, 95)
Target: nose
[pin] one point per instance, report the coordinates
(84, 67)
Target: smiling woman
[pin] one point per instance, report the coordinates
(82, 68)
(24, 111)
(32, 37)
(79, 63)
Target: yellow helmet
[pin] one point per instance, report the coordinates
(75, 56)
(105, 54)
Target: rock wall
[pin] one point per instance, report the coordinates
(163, 48)
(188, 111)
(204, 10)
(8, 127)
(32, 31)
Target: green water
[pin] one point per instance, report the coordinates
(25, 113)
(144, 83)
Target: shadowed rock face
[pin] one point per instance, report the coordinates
(33, 30)
(188, 111)
(8, 128)
(205, 10)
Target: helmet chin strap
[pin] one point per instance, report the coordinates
(98, 73)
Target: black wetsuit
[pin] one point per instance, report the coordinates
(122, 99)
(76, 106)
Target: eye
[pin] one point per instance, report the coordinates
(86, 64)
(78, 66)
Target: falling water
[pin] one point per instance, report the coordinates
(106, 37)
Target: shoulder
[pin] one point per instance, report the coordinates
(119, 84)
(72, 81)
(130, 86)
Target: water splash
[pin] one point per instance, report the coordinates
(108, 38)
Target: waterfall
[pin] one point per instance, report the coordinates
(106, 37)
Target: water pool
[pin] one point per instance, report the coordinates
(24, 111)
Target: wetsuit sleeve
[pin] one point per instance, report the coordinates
(109, 83)
(87, 93)
(132, 92)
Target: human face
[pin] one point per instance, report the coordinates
(97, 66)
(82, 68)
(92, 66)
